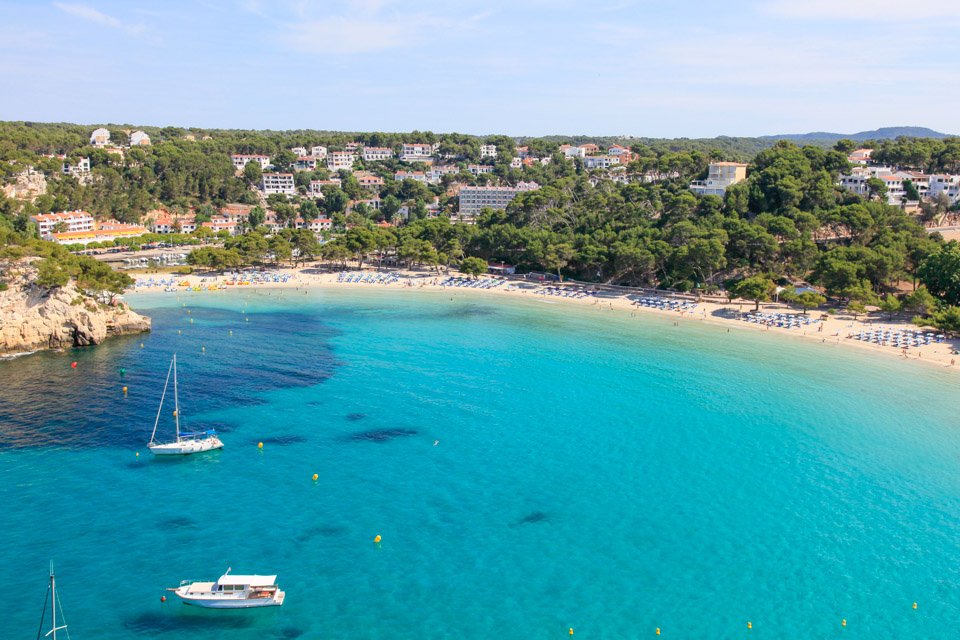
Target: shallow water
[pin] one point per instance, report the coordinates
(610, 474)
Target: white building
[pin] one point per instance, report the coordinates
(572, 152)
(74, 221)
(305, 163)
(860, 156)
(319, 224)
(162, 224)
(316, 186)
(477, 169)
(600, 162)
(488, 151)
(412, 175)
(318, 152)
(240, 160)
(437, 172)
(948, 184)
(373, 203)
(617, 150)
(100, 138)
(473, 199)
(221, 223)
(417, 153)
(299, 151)
(720, 176)
(139, 139)
(279, 183)
(857, 181)
(82, 166)
(374, 183)
(376, 154)
(340, 160)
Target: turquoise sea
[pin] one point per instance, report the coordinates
(531, 468)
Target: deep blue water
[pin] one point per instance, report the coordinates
(610, 474)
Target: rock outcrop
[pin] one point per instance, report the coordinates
(33, 317)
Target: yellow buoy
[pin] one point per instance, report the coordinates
(749, 625)
(377, 539)
(658, 630)
(138, 454)
(141, 345)
(188, 310)
(174, 414)
(231, 333)
(315, 476)
(178, 330)
(203, 349)
(247, 319)
(191, 320)
(844, 623)
(571, 630)
(260, 445)
(914, 605)
(125, 390)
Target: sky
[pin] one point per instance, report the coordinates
(675, 68)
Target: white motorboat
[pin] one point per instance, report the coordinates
(232, 592)
(186, 443)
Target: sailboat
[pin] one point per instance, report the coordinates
(185, 443)
(55, 604)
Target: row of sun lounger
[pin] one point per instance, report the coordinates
(785, 320)
(897, 338)
(666, 304)
(368, 278)
(563, 293)
(472, 284)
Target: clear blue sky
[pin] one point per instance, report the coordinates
(598, 67)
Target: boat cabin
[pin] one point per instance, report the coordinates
(254, 586)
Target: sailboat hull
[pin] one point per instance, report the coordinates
(186, 447)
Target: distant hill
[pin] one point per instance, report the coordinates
(883, 133)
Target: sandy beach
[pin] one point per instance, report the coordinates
(831, 330)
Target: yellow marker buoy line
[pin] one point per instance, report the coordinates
(315, 476)
(376, 540)
(260, 445)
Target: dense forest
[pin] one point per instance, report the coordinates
(788, 223)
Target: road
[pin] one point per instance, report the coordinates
(115, 259)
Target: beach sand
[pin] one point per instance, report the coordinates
(831, 331)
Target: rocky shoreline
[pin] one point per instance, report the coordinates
(34, 317)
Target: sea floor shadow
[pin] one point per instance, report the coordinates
(379, 435)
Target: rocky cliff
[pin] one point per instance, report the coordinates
(34, 317)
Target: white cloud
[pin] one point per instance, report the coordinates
(365, 34)
(864, 10)
(92, 15)
(340, 35)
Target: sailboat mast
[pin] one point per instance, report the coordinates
(53, 593)
(176, 399)
(160, 408)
